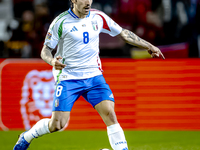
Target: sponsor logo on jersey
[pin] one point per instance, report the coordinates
(95, 25)
(64, 76)
(73, 29)
(83, 25)
(48, 36)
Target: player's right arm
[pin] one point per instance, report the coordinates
(48, 58)
(51, 41)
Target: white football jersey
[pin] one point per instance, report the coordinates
(78, 43)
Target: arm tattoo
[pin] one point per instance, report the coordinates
(134, 37)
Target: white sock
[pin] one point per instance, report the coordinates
(39, 129)
(116, 137)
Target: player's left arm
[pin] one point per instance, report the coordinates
(133, 39)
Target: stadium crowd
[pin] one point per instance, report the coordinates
(24, 24)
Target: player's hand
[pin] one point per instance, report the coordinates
(57, 64)
(155, 52)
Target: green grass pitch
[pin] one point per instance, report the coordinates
(95, 140)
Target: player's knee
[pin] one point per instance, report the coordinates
(110, 117)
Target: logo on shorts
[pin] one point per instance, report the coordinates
(56, 102)
(111, 95)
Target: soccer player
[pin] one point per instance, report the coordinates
(77, 70)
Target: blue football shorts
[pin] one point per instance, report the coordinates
(94, 90)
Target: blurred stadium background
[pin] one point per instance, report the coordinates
(153, 96)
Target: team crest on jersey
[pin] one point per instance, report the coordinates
(49, 35)
(95, 25)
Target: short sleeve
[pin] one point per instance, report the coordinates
(109, 26)
(52, 36)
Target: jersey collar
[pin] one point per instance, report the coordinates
(75, 16)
